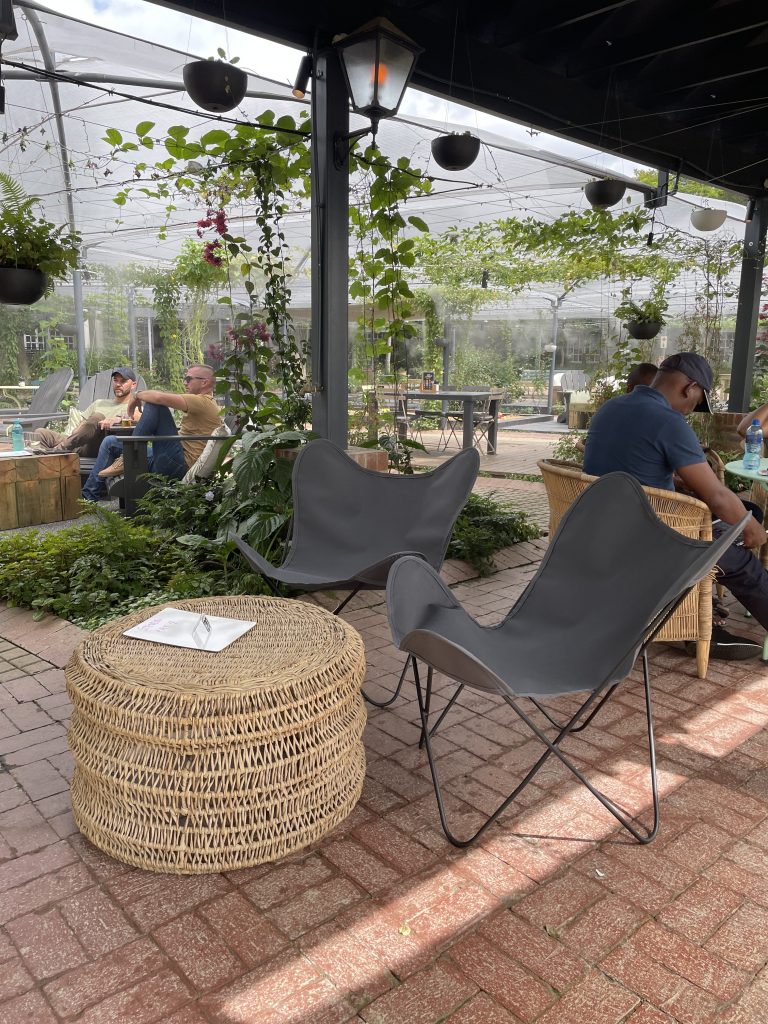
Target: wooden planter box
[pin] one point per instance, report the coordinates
(37, 489)
(368, 458)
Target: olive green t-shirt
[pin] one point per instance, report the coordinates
(202, 417)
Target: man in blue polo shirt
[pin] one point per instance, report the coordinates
(645, 434)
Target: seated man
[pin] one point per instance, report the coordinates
(170, 458)
(85, 430)
(645, 434)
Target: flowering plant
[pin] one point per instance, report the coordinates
(213, 252)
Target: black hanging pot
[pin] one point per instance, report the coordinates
(215, 85)
(455, 152)
(20, 286)
(604, 193)
(643, 330)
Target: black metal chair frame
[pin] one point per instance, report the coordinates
(421, 642)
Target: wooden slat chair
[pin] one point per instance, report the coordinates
(96, 388)
(565, 481)
(45, 402)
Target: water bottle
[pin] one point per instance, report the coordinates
(17, 437)
(753, 447)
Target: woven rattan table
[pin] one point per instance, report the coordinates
(189, 761)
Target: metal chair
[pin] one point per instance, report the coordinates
(610, 579)
(351, 524)
(45, 402)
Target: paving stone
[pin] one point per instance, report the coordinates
(46, 943)
(425, 997)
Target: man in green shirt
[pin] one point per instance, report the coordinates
(85, 430)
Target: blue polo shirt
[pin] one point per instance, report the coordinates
(641, 434)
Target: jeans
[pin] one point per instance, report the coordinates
(165, 457)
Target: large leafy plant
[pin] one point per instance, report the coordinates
(650, 310)
(29, 242)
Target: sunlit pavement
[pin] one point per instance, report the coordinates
(554, 917)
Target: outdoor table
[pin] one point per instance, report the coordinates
(737, 468)
(468, 400)
(191, 761)
(11, 392)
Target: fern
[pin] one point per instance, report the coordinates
(13, 197)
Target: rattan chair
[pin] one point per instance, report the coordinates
(612, 576)
(565, 481)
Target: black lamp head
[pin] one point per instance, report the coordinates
(303, 76)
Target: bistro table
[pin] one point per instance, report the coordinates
(190, 761)
(759, 476)
(468, 400)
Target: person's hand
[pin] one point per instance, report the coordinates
(109, 422)
(134, 403)
(754, 535)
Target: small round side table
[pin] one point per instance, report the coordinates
(190, 761)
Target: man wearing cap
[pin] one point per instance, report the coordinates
(85, 430)
(173, 456)
(645, 434)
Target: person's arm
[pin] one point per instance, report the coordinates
(759, 414)
(167, 398)
(722, 503)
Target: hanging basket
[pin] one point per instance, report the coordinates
(708, 218)
(604, 193)
(20, 286)
(643, 330)
(455, 152)
(215, 85)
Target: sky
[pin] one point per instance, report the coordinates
(202, 38)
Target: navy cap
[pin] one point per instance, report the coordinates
(697, 369)
(126, 372)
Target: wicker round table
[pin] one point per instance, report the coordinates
(188, 761)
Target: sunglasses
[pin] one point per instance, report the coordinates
(188, 378)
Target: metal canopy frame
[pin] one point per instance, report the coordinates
(679, 87)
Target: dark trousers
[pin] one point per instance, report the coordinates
(742, 574)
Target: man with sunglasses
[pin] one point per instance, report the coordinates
(645, 434)
(200, 415)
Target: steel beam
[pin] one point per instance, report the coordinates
(750, 283)
(330, 251)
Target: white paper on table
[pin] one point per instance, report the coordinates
(13, 455)
(187, 629)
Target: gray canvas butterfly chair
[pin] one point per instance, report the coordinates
(45, 402)
(351, 524)
(610, 578)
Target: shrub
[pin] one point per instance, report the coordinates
(486, 525)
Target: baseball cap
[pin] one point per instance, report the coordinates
(697, 369)
(125, 372)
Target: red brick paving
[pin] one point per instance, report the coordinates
(554, 917)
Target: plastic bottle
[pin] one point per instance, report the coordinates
(753, 447)
(17, 437)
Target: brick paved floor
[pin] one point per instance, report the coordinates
(553, 918)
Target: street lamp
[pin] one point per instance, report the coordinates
(551, 347)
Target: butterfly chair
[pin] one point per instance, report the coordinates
(45, 402)
(565, 481)
(611, 577)
(351, 524)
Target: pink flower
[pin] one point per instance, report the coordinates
(210, 255)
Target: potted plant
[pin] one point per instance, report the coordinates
(215, 84)
(33, 252)
(604, 192)
(455, 152)
(643, 320)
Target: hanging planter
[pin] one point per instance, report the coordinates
(455, 152)
(215, 85)
(642, 330)
(21, 287)
(604, 193)
(708, 218)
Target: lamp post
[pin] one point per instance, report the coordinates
(551, 347)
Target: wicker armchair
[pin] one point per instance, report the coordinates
(565, 481)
